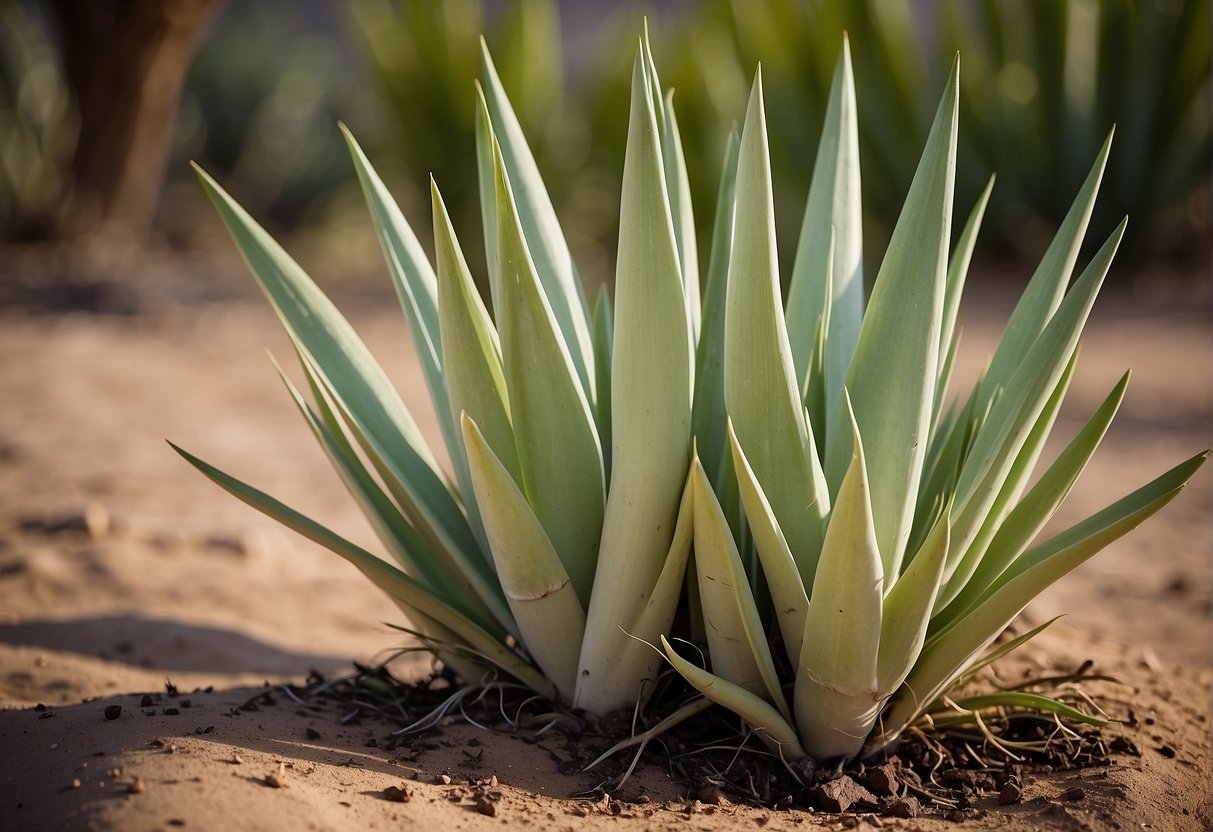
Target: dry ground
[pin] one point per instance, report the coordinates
(172, 578)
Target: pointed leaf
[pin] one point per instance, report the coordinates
(406, 590)
(416, 286)
(949, 652)
(757, 712)
(708, 417)
(832, 216)
(471, 355)
(737, 643)
(762, 397)
(1045, 290)
(837, 696)
(540, 228)
(651, 367)
(896, 358)
(778, 565)
(551, 621)
(555, 434)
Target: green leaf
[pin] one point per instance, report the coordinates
(553, 264)
(384, 517)
(604, 335)
(1030, 701)
(833, 216)
(554, 431)
(761, 395)
(416, 286)
(551, 620)
(1045, 290)
(907, 608)
(404, 589)
(679, 186)
(1037, 507)
(949, 652)
(358, 386)
(471, 355)
(778, 564)
(837, 693)
(958, 271)
(1015, 411)
(767, 722)
(737, 643)
(651, 367)
(896, 358)
(708, 415)
(962, 564)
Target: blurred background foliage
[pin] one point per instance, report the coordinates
(1043, 82)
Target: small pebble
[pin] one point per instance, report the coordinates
(1010, 793)
(485, 806)
(397, 794)
(113, 711)
(277, 779)
(136, 786)
(147, 702)
(313, 734)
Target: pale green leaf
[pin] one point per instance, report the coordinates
(762, 397)
(551, 620)
(471, 356)
(778, 564)
(553, 264)
(408, 591)
(837, 694)
(415, 283)
(896, 357)
(554, 431)
(756, 711)
(708, 416)
(737, 643)
(833, 216)
(651, 383)
(1045, 290)
(1031, 514)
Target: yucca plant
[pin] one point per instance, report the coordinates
(856, 544)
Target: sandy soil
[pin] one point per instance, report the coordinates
(121, 567)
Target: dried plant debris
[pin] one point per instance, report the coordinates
(944, 769)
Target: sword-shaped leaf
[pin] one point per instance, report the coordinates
(540, 228)
(833, 214)
(651, 382)
(708, 416)
(778, 564)
(551, 620)
(896, 357)
(1036, 508)
(759, 714)
(1045, 290)
(949, 652)
(416, 287)
(837, 692)
(471, 357)
(554, 430)
(408, 591)
(736, 641)
(762, 397)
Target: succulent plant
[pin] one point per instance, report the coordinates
(855, 543)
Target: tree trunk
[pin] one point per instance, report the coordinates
(126, 61)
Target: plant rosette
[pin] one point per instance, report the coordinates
(848, 543)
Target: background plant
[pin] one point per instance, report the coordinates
(1043, 82)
